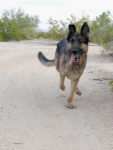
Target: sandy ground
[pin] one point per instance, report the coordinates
(33, 115)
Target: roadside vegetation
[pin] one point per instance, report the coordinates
(17, 25)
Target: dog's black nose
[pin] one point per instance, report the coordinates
(74, 52)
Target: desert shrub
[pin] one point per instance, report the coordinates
(59, 29)
(1, 38)
(16, 25)
(78, 21)
(42, 34)
(101, 31)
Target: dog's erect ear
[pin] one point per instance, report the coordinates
(72, 30)
(85, 30)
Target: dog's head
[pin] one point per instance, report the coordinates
(78, 44)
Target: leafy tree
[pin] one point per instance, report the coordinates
(78, 22)
(101, 29)
(17, 25)
(57, 30)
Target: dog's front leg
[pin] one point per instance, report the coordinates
(62, 79)
(72, 90)
(77, 90)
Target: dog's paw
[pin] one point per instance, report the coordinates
(71, 105)
(62, 88)
(79, 93)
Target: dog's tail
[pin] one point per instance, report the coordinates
(44, 61)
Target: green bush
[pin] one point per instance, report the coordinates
(57, 29)
(101, 30)
(1, 38)
(16, 25)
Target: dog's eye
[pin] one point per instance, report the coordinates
(72, 41)
(80, 41)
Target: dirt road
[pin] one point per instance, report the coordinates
(33, 115)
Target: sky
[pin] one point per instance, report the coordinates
(58, 9)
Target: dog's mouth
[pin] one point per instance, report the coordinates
(73, 59)
(75, 56)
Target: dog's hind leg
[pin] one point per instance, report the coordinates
(62, 79)
(77, 91)
(72, 90)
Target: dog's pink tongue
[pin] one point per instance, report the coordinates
(71, 60)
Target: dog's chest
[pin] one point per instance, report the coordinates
(70, 72)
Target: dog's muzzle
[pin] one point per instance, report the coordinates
(75, 56)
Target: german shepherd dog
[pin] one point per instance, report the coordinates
(70, 60)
